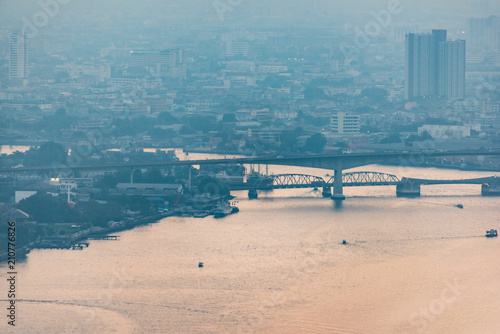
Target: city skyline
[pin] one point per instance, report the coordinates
(232, 166)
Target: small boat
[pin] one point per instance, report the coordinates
(491, 233)
(222, 210)
(163, 210)
(200, 215)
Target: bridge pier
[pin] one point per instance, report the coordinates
(490, 189)
(252, 194)
(408, 189)
(338, 187)
(327, 192)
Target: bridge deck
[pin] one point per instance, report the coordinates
(324, 161)
(480, 180)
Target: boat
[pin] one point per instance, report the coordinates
(200, 215)
(163, 210)
(258, 180)
(491, 233)
(222, 210)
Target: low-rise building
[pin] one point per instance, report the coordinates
(344, 123)
(445, 131)
(148, 188)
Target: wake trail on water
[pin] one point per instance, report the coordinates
(442, 204)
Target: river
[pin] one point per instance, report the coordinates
(418, 265)
(10, 149)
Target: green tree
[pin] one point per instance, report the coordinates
(138, 177)
(316, 143)
(161, 134)
(393, 138)
(289, 139)
(61, 113)
(212, 186)
(186, 130)
(107, 182)
(182, 172)
(229, 118)
(422, 137)
(200, 123)
(47, 209)
(314, 93)
(47, 154)
(154, 176)
(166, 118)
(100, 214)
(375, 94)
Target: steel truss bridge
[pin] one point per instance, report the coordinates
(354, 179)
(287, 181)
(366, 179)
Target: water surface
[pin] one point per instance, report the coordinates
(279, 266)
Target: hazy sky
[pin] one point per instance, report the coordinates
(296, 8)
(252, 13)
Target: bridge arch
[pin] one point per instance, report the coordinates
(366, 179)
(290, 181)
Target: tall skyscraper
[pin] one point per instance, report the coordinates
(439, 37)
(18, 56)
(420, 66)
(452, 69)
(430, 73)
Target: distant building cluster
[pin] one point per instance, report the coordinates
(158, 63)
(251, 90)
(446, 131)
(484, 33)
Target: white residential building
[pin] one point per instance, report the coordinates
(345, 123)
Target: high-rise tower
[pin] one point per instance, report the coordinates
(433, 66)
(452, 69)
(18, 56)
(439, 37)
(420, 66)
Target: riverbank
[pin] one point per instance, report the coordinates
(84, 235)
(451, 167)
(21, 252)
(215, 151)
(81, 236)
